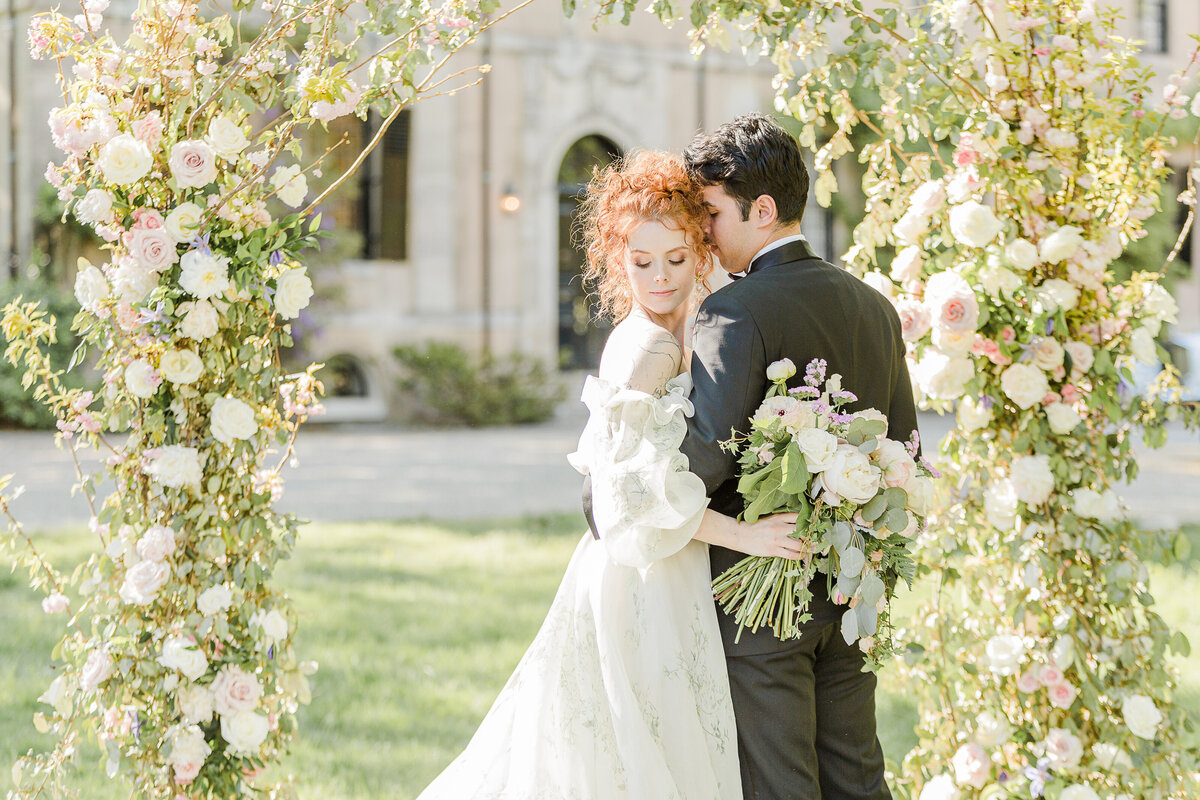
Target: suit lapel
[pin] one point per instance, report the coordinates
(798, 250)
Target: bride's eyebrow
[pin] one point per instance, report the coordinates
(672, 250)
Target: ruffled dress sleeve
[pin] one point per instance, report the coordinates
(646, 503)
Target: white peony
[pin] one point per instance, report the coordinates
(1062, 244)
(1081, 355)
(91, 287)
(1021, 254)
(181, 366)
(193, 164)
(971, 765)
(232, 419)
(992, 731)
(141, 379)
(214, 600)
(939, 787)
(1141, 715)
(972, 415)
(1063, 748)
(175, 466)
(943, 377)
(974, 224)
(95, 208)
(1078, 791)
(226, 137)
(235, 690)
(142, 582)
(781, 370)
(245, 732)
(817, 447)
(851, 475)
(1141, 345)
(195, 704)
(1000, 504)
(183, 223)
(290, 185)
(157, 543)
(293, 290)
(1062, 417)
(200, 320)
(1024, 384)
(183, 654)
(204, 275)
(124, 160)
(1032, 479)
(1004, 654)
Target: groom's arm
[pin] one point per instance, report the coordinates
(729, 372)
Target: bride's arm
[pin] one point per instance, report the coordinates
(769, 536)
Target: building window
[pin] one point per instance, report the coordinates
(383, 189)
(1152, 24)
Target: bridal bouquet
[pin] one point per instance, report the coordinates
(860, 498)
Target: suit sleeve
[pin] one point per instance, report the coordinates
(729, 373)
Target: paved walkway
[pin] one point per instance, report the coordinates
(377, 472)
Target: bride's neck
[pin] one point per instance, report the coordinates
(674, 324)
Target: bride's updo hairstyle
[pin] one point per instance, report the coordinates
(641, 187)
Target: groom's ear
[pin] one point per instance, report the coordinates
(763, 211)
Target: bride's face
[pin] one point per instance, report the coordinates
(661, 267)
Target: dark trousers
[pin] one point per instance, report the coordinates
(806, 721)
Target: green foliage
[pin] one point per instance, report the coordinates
(450, 387)
(17, 405)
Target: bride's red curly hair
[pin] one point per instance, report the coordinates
(642, 186)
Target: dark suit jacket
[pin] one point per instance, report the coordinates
(791, 304)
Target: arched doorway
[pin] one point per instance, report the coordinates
(580, 337)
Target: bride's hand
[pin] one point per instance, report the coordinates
(770, 536)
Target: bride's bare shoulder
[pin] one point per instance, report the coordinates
(641, 355)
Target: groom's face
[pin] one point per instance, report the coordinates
(735, 240)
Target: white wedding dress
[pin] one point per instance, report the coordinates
(623, 694)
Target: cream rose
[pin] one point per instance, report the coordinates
(290, 185)
(897, 465)
(1062, 418)
(245, 732)
(183, 223)
(91, 287)
(124, 160)
(226, 137)
(910, 228)
(1004, 654)
(232, 419)
(999, 282)
(96, 669)
(200, 320)
(1047, 353)
(953, 343)
(95, 208)
(1057, 294)
(1061, 245)
(971, 765)
(181, 366)
(1021, 254)
(157, 543)
(293, 290)
(141, 379)
(920, 494)
(142, 582)
(817, 447)
(992, 731)
(175, 466)
(1032, 479)
(183, 654)
(974, 224)
(204, 275)
(851, 475)
(273, 625)
(214, 600)
(906, 266)
(1081, 355)
(193, 164)
(235, 690)
(189, 751)
(973, 416)
(928, 198)
(1063, 748)
(943, 377)
(1000, 504)
(195, 704)
(1141, 716)
(1024, 384)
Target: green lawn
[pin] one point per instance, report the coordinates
(416, 626)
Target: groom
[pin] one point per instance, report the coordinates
(805, 709)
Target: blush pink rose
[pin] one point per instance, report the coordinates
(1062, 695)
(193, 163)
(1050, 675)
(957, 312)
(153, 248)
(915, 321)
(1028, 682)
(149, 129)
(235, 690)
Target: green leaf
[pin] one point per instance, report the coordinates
(764, 504)
(1182, 547)
(897, 520)
(795, 471)
(875, 507)
(896, 497)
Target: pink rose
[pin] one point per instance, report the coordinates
(1070, 394)
(971, 765)
(147, 218)
(186, 772)
(235, 690)
(193, 164)
(1028, 682)
(1008, 334)
(1062, 695)
(157, 543)
(914, 319)
(153, 248)
(55, 604)
(1050, 675)
(957, 312)
(149, 129)
(1063, 748)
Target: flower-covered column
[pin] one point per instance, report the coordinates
(181, 150)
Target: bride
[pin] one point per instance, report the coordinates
(623, 694)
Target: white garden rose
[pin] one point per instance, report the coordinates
(953, 343)
(974, 224)
(851, 475)
(1078, 791)
(781, 370)
(939, 787)
(1062, 417)
(880, 283)
(1081, 355)
(928, 198)
(193, 164)
(972, 415)
(1061, 245)
(183, 223)
(1000, 504)
(920, 494)
(1024, 384)
(898, 466)
(1032, 479)
(142, 582)
(245, 732)
(915, 319)
(96, 669)
(132, 281)
(1004, 654)
(1047, 353)
(991, 730)
(141, 379)
(189, 750)
(1141, 716)
(1063, 748)
(91, 287)
(1057, 294)
(1158, 303)
(906, 266)
(200, 320)
(999, 282)
(175, 466)
(232, 419)
(817, 447)
(971, 765)
(183, 654)
(157, 543)
(909, 229)
(290, 185)
(235, 690)
(293, 290)
(204, 275)
(943, 377)
(96, 208)
(195, 704)
(181, 366)
(1141, 345)
(124, 160)
(214, 600)
(226, 137)
(1021, 254)
(273, 625)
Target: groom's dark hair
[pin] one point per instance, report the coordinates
(749, 157)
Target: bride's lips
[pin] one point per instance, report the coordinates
(664, 293)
